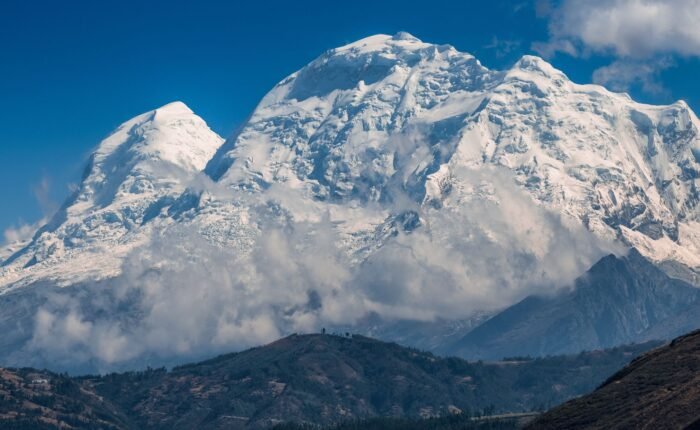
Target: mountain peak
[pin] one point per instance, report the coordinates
(377, 83)
(131, 176)
(328, 122)
(403, 35)
(174, 108)
(172, 132)
(125, 162)
(383, 43)
(533, 63)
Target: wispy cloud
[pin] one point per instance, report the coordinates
(503, 47)
(622, 74)
(42, 194)
(24, 231)
(19, 233)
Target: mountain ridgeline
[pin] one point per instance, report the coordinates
(660, 389)
(618, 301)
(304, 379)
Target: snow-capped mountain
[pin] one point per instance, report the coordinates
(136, 172)
(388, 143)
(393, 114)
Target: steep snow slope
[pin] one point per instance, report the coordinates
(331, 124)
(134, 173)
(387, 117)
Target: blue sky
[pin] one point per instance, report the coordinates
(70, 72)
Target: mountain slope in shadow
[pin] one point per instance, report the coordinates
(660, 389)
(619, 300)
(318, 379)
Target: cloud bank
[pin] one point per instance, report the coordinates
(183, 298)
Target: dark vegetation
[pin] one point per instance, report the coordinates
(319, 379)
(452, 422)
(660, 389)
(38, 400)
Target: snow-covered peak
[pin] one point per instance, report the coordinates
(536, 64)
(149, 148)
(401, 41)
(361, 63)
(374, 85)
(171, 133)
(404, 154)
(176, 107)
(145, 152)
(389, 113)
(391, 118)
(132, 177)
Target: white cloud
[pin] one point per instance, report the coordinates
(641, 34)
(15, 237)
(183, 298)
(549, 49)
(24, 231)
(629, 28)
(42, 194)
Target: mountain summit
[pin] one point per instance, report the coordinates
(137, 170)
(390, 114)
